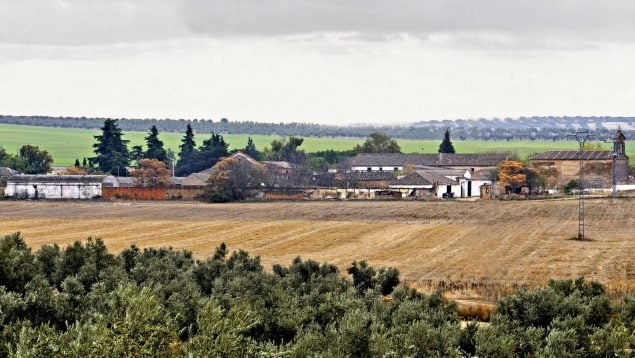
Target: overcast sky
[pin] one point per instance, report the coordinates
(327, 61)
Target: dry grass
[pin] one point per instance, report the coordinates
(477, 250)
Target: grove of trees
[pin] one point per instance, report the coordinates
(29, 160)
(523, 128)
(82, 300)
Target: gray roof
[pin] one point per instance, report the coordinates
(56, 179)
(423, 177)
(7, 172)
(576, 155)
(434, 160)
(370, 176)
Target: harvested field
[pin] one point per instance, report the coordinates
(481, 249)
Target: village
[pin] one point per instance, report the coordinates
(364, 176)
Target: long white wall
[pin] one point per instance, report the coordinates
(53, 190)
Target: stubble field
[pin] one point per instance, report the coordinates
(479, 250)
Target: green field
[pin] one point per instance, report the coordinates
(67, 144)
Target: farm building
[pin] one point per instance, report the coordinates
(561, 167)
(394, 162)
(457, 183)
(54, 186)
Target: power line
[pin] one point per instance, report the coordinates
(581, 137)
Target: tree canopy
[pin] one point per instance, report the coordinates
(155, 146)
(378, 143)
(82, 300)
(112, 155)
(152, 173)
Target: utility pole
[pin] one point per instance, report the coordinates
(582, 137)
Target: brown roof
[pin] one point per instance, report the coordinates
(435, 160)
(576, 155)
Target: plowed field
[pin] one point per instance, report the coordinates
(477, 246)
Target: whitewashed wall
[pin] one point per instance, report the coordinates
(53, 190)
(376, 169)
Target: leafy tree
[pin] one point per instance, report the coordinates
(378, 143)
(155, 146)
(512, 174)
(12, 161)
(17, 264)
(152, 173)
(287, 149)
(250, 149)
(232, 179)
(111, 150)
(37, 161)
(446, 145)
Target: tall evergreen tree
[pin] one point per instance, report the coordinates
(186, 153)
(250, 149)
(77, 163)
(446, 145)
(112, 151)
(212, 150)
(155, 146)
(84, 164)
(137, 153)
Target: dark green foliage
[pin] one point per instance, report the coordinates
(77, 165)
(136, 154)
(446, 145)
(524, 128)
(18, 265)
(286, 150)
(186, 152)
(84, 301)
(111, 150)
(365, 278)
(210, 152)
(37, 161)
(155, 146)
(570, 186)
(378, 143)
(250, 149)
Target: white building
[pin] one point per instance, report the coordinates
(54, 186)
(456, 183)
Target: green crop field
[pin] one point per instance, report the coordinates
(67, 144)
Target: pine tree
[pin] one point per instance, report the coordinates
(446, 146)
(250, 149)
(84, 164)
(212, 150)
(155, 146)
(77, 163)
(112, 151)
(187, 152)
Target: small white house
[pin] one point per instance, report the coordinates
(54, 186)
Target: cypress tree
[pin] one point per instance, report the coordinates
(84, 164)
(112, 151)
(446, 145)
(187, 152)
(155, 146)
(77, 163)
(250, 149)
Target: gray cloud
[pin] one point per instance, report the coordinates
(94, 22)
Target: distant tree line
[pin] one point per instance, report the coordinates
(83, 301)
(524, 128)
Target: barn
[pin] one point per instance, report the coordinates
(54, 186)
(561, 167)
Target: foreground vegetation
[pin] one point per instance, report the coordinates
(83, 301)
(67, 144)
